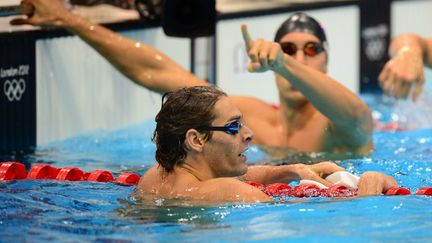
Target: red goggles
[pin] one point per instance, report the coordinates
(310, 49)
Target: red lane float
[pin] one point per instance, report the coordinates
(100, 176)
(128, 179)
(397, 191)
(42, 171)
(307, 191)
(424, 191)
(280, 190)
(12, 171)
(339, 191)
(17, 171)
(70, 174)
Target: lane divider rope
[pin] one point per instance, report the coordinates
(17, 171)
(311, 190)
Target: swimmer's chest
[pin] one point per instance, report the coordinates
(313, 136)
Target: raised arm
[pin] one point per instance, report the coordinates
(141, 63)
(349, 117)
(403, 75)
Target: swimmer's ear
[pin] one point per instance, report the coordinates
(194, 140)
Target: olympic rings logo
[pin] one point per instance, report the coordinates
(375, 49)
(14, 89)
(375, 41)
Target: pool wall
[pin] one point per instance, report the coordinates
(79, 91)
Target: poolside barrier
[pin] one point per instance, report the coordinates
(17, 171)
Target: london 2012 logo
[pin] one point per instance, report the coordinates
(14, 89)
(375, 41)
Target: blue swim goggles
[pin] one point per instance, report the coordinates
(231, 128)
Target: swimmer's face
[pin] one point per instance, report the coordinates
(225, 152)
(318, 62)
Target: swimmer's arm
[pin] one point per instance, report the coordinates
(414, 42)
(403, 75)
(347, 113)
(141, 63)
(267, 174)
(350, 119)
(232, 190)
(144, 65)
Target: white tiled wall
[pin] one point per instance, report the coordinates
(79, 91)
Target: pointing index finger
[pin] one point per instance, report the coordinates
(246, 37)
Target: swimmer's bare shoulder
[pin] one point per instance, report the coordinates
(215, 190)
(149, 180)
(230, 189)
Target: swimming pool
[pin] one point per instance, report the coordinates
(104, 212)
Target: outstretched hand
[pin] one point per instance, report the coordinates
(264, 55)
(403, 74)
(316, 172)
(46, 13)
(375, 183)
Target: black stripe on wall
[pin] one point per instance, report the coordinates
(17, 93)
(374, 40)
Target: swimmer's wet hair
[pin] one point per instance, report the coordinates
(182, 110)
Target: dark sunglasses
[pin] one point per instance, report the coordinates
(231, 128)
(310, 49)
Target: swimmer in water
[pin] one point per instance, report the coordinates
(403, 75)
(201, 143)
(316, 112)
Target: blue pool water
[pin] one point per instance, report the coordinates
(54, 211)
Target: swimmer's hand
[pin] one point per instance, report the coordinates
(45, 13)
(264, 55)
(375, 183)
(317, 172)
(403, 74)
(267, 174)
